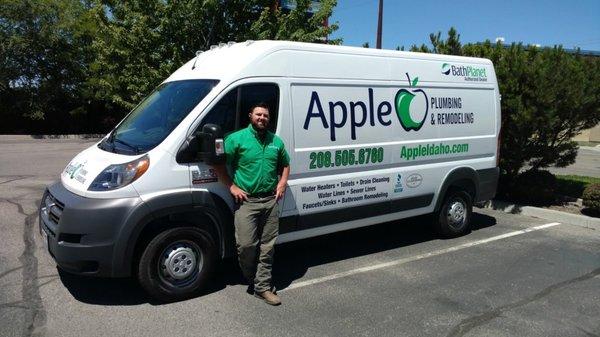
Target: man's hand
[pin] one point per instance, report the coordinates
(238, 194)
(280, 191)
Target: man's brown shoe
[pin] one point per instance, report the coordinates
(269, 297)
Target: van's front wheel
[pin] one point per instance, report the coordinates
(176, 263)
(454, 218)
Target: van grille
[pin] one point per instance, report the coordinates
(49, 230)
(54, 208)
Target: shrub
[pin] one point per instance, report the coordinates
(533, 187)
(572, 185)
(503, 191)
(591, 197)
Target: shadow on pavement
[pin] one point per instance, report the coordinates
(481, 221)
(292, 260)
(103, 291)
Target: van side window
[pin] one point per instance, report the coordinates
(223, 113)
(257, 93)
(231, 112)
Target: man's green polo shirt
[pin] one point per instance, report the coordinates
(254, 161)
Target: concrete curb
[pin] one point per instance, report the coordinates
(591, 148)
(547, 214)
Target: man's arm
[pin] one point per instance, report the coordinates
(238, 194)
(230, 153)
(280, 191)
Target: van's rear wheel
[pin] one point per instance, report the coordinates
(454, 218)
(177, 263)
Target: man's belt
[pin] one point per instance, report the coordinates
(262, 194)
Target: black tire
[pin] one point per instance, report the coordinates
(162, 266)
(454, 217)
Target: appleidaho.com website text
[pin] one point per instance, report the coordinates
(413, 152)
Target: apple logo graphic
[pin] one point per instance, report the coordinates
(404, 100)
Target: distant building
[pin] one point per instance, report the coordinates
(592, 53)
(582, 52)
(291, 4)
(589, 135)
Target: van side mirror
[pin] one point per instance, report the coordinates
(210, 141)
(205, 145)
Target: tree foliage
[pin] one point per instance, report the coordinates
(548, 97)
(43, 58)
(80, 65)
(295, 25)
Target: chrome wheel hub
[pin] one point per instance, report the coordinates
(456, 214)
(179, 262)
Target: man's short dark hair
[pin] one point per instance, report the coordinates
(260, 105)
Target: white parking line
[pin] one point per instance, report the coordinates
(301, 284)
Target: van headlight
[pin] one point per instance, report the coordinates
(117, 176)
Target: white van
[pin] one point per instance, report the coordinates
(373, 136)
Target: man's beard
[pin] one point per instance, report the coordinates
(259, 128)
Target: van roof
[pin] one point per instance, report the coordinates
(285, 58)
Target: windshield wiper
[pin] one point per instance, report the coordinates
(108, 141)
(134, 148)
(112, 135)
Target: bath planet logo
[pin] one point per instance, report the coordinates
(469, 73)
(446, 69)
(411, 114)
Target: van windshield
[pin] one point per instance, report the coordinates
(154, 119)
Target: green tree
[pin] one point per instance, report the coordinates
(44, 50)
(420, 49)
(548, 96)
(449, 46)
(297, 24)
(131, 53)
(72, 65)
(141, 42)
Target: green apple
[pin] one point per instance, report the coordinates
(404, 99)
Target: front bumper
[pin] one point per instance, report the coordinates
(82, 233)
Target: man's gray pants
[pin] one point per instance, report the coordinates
(256, 229)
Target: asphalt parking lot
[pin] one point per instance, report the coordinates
(512, 276)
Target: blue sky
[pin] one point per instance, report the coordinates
(570, 23)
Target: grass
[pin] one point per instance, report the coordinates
(573, 186)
